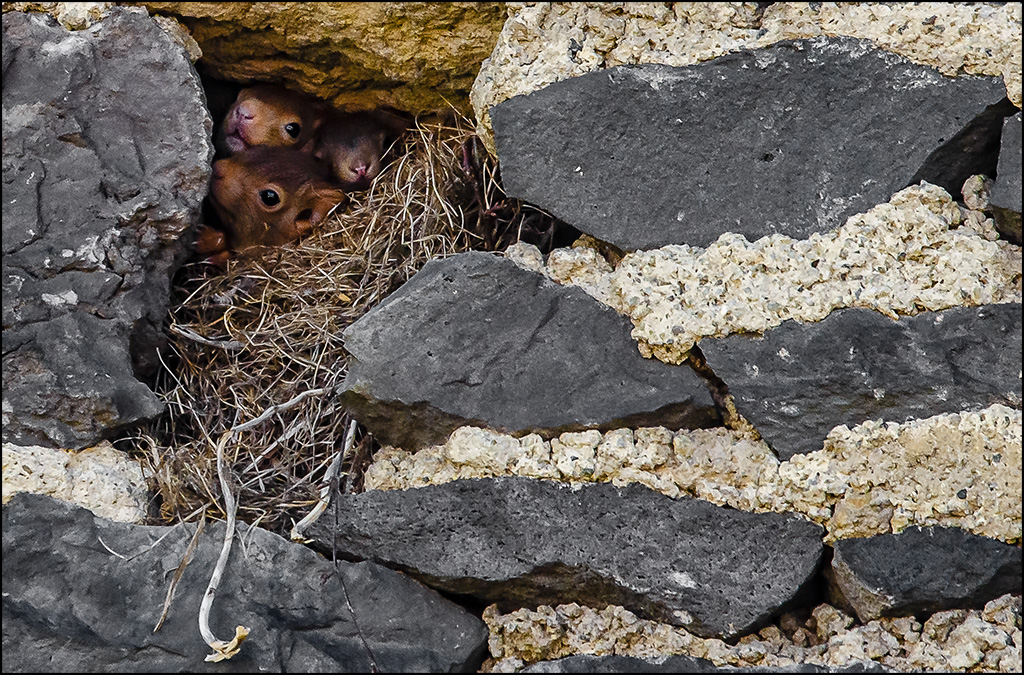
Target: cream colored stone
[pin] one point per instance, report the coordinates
(544, 43)
(860, 511)
(419, 57)
(614, 452)
(653, 448)
(482, 449)
(71, 15)
(830, 622)
(903, 257)
(526, 256)
(874, 478)
(963, 637)
(583, 267)
(535, 459)
(575, 453)
(1003, 612)
(101, 478)
(970, 641)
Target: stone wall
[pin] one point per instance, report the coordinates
(765, 413)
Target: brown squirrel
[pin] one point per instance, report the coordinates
(353, 143)
(267, 114)
(266, 196)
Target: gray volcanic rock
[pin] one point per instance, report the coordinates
(476, 339)
(1006, 192)
(106, 159)
(588, 663)
(793, 138)
(523, 542)
(922, 571)
(71, 605)
(974, 150)
(800, 380)
(1005, 201)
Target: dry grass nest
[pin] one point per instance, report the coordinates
(264, 337)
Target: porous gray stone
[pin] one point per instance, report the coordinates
(922, 570)
(1006, 192)
(973, 151)
(799, 380)
(476, 339)
(520, 542)
(106, 159)
(1005, 200)
(792, 139)
(71, 605)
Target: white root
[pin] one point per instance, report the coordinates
(222, 649)
(325, 491)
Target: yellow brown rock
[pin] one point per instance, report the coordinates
(413, 56)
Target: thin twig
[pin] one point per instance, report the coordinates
(279, 407)
(192, 335)
(185, 559)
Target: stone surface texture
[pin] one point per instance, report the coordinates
(545, 43)
(418, 57)
(755, 142)
(101, 478)
(520, 541)
(799, 381)
(1006, 192)
(922, 571)
(983, 640)
(106, 160)
(71, 15)
(918, 252)
(871, 479)
(585, 663)
(495, 345)
(83, 594)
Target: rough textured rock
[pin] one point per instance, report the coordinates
(102, 479)
(874, 478)
(494, 345)
(799, 381)
(70, 604)
(1007, 189)
(973, 151)
(414, 56)
(756, 142)
(922, 571)
(1005, 200)
(981, 640)
(917, 252)
(519, 541)
(106, 159)
(71, 15)
(548, 42)
(586, 663)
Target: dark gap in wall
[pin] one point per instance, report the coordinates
(973, 150)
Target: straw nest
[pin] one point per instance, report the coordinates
(264, 337)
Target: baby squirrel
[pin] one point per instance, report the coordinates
(287, 158)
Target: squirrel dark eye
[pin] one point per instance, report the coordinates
(270, 197)
(293, 129)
